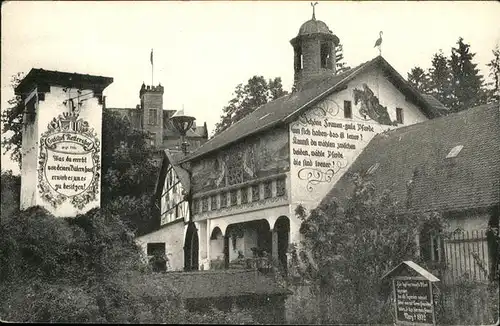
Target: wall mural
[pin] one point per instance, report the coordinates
(371, 107)
(244, 161)
(69, 162)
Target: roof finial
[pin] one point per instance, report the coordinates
(314, 5)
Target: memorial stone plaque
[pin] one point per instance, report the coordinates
(413, 300)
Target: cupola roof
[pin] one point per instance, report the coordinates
(314, 26)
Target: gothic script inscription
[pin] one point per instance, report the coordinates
(69, 162)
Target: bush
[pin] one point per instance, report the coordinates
(83, 269)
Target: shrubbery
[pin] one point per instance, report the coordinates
(82, 269)
(348, 247)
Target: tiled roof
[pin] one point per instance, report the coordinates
(435, 103)
(415, 158)
(288, 107)
(222, 283)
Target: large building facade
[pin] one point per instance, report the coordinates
(246, 182)
(150, 116)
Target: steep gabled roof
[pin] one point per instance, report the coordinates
(285, 109)
(171, 158)
(413, 162)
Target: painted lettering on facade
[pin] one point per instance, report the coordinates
(322, 145)
(326, 139)
(69, 162)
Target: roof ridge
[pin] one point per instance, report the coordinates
(430, 122)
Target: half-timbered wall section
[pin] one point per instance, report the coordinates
(245, 176)
(173, 205)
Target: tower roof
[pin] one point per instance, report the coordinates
(314, 26)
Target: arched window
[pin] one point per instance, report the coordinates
(325, 55)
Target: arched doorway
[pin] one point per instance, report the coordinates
(217, 245)
(191, 247)
(282, 229)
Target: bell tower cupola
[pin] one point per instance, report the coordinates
(314, 51)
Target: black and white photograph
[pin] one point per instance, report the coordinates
(250, 162)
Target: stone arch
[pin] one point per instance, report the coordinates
(282, 230)
(191, 247)
(216, 244)
(216, 231)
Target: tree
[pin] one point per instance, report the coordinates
(247, 98)
(494, 66)
(354, 245)
(419, 79)
(128, 162)
(440, 79)
(12, 123)
(341, 65)
(466, 81)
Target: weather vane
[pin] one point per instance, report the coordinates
(378, 43)
(314, 5)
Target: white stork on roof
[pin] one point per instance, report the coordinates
(379, 43)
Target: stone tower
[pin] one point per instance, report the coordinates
(61, 145)
(314, 52)
(152, 111)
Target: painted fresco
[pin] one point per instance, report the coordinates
(244, 161)
(370, 107)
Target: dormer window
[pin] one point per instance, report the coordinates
(325, 55)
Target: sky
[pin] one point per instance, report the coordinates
(202, 50)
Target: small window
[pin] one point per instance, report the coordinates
(399, 115)
(325, 55)
(223, 200)
(244, 195)
(298, 59)
(255, 193)
(153, 117)
(152, 139)
(213, 204)
(347, 109)
(204, 204)
(267, 190)
(157, 257)
(156, 248)
(280, 187)
(196, 205)
(454, 151)
(373, 168)
(233, 198)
